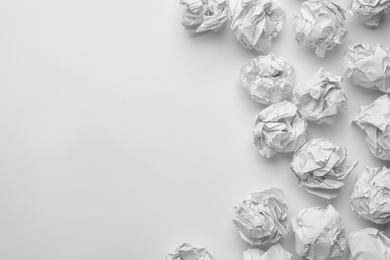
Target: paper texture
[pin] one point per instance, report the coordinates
(320, 98)
(262, 218)
(205, 15)
(276, 252)
(268, 79)
(369, 12)
(320, 24)
(370, 197)
(279, 128)
(188, 252)
(256, 22)
(369, 244)
(374, 120)
(321, 167)
(368, 66)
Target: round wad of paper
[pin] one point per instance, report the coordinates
(369, 12)
(368, 66)
(205, 15)
(369, 243)
(268, 79)
(276, 252)
(188, 252)
(370, 197)
(321, 24)
(319, 233)
(262, 218)
(256, 22)
(279, 128)
(321, 167)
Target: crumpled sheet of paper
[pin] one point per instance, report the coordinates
(279, 128)
(319, 233)
(276, 252)
(205, 15)
(321, 24)
(368, 66)
(375, 120)
(369, 244)
(370, 197)
(262, 218)
(256, 22)
(321, 167)
(188, 252)
(319, 98)
(268, 79)
(369, 12)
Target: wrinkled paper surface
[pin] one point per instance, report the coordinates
(262, 218)
(368, 66)
(188, 252)
(256, 22)
(276, 252)
(320, 24)
(319, 98)
(279, 128)
(369, 243)
(369, 12)
(321, 167)
(319, 233)
(268, 79)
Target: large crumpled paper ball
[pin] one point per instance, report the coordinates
(276, 252)
(320, 24)
(262, 218)
(256, 22)
(368, 66)
(369, 243)
(320, 98)
(321, 167)
(370, 197)
(268, 79)
(369, 12)
(279, 128)
(188, 252)
(319, 233)
(205, 15)
(375, 120)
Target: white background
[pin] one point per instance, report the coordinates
(122, 136)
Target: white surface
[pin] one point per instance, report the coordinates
(122, 136)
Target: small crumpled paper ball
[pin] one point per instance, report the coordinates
(321, 167)
(319, 98)
(369, 243)
(268, 79)
(370, 197)
(256, 22)
(205, 15)
(319, 233)
(369, 12)
(279, 128)
(321, 25)
(276, 252)
(188, 252)
(375, 120)
(368, 66)
(262, 218)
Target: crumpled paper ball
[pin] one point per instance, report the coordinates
(262, 218)
(268, 79)
(256, 22)
(368, 66)
(320, 98)
(369, 12)
(276, 252)
(319, 233)
(188, 252)
(320, 24)
(369, 243)
(279, 128)
(321, 167)
(375, 120)
(205, 15)
(370, 197)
